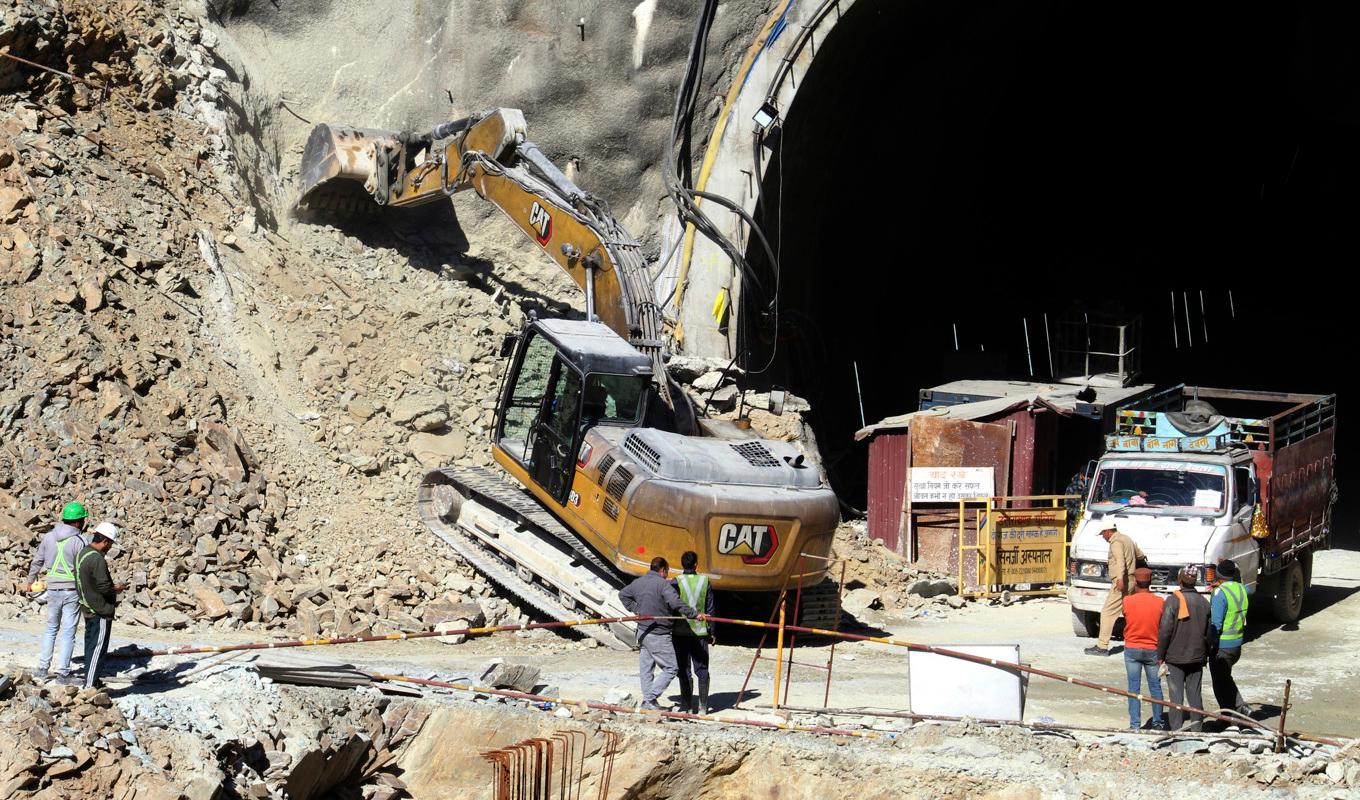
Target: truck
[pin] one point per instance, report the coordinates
(1195, 475)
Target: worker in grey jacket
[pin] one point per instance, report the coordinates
(55, 562)
(1182, 645)
(653, 595)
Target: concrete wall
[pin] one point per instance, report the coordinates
(730, 169)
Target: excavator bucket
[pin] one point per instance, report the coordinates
(339, 167)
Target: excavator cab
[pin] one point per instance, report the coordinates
(567, 376)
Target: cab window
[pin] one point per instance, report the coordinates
(527, 395)
(613, 399)
(1242, 488)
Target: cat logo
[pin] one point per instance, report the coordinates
(754, 543)
(541, 221)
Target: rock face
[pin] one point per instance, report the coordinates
(252, 407)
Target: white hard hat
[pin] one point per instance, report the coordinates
(108, 530)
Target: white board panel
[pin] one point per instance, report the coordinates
(957, 688)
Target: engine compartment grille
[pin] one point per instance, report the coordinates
(619, 483)
(642, 451)
(605, 464)
(756, 454)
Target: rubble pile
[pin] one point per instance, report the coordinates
(877, 579)
(58, 741)
(266, 742)
(255, 408)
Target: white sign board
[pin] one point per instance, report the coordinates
(951, 484)
(953, 687)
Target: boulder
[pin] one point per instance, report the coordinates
(437, 450)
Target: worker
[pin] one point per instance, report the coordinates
(1142, 616)
(653, 595)
(1228, 621)
(98, 598)
(1123, 560)
(56, 557)
(1182, 645)
(692, 639)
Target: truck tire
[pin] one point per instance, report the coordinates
(1306, 561)
(1289, 588)
(1085, 624)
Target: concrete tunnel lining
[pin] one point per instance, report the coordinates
(990, 166)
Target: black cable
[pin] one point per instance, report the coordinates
(679, 184)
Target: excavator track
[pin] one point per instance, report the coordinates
(502, 536)
(820, 606)
(488, 487)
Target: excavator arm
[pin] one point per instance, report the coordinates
(490, 154)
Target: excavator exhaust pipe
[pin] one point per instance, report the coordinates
(339, 167)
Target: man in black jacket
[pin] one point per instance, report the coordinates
(98, 598)
(1182, 645)
(653, 595)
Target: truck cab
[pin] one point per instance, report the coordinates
(1192, 486)
(1180, 508)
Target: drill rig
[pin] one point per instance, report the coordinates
(610, 464)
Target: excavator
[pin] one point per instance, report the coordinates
(609, 464)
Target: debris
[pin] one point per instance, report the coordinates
(504, 675)
(858, 601)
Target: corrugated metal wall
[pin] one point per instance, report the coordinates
(887, 487)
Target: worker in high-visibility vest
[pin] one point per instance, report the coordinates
(1228, 620)
(98, 598)
(693, 638)
(55, 561)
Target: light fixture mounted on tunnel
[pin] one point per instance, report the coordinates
(766, 117)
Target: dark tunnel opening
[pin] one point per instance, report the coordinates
(950, 173)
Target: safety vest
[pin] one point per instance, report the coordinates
(80, 591)
(694, 591)
(1235, 619)
(61, 569)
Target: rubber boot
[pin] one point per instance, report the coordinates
(703, 697)
(686, 702)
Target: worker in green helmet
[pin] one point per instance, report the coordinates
(55, 561)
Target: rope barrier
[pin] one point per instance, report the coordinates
(1233, 719)
(388, 637)
(591, 704)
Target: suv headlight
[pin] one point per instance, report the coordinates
(1091, 569)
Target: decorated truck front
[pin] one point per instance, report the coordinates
(1193, 486)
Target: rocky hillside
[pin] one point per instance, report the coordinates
(255, 406)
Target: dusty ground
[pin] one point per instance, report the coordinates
(1315, 656)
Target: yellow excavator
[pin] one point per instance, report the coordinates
(614, 465)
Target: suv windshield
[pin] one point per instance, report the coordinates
(1182, 488)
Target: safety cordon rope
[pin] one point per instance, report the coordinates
(563, 701)
(1230, 718)
(388, 637)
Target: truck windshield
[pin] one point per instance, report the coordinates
(1159, 487)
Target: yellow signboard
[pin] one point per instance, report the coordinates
(1029, 545)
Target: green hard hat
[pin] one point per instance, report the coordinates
(72, 511)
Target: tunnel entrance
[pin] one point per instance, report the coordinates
(946, 175)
